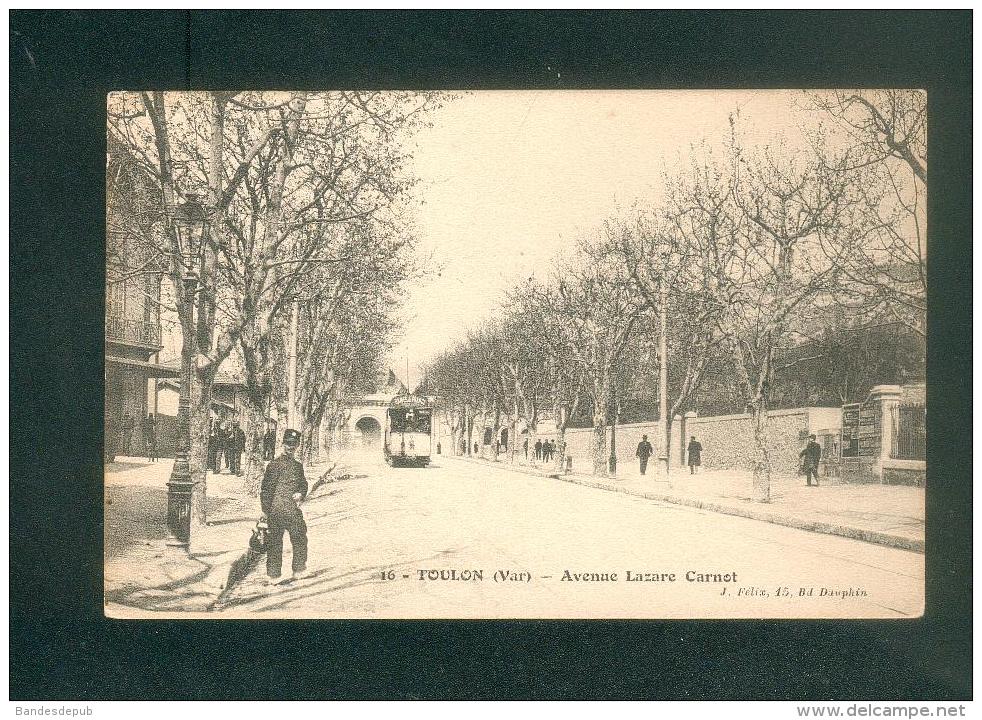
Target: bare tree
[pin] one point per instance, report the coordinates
(279, 171)
(592, 308)
(768, 270)
(879, 139)
(657, 249)
(552, 380)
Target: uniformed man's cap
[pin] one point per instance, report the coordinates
(291, 437)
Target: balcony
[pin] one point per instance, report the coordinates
(132, 332)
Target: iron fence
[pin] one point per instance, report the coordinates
(909, 432)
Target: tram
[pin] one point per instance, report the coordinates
(408, 431)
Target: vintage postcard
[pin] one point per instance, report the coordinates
(516, 354)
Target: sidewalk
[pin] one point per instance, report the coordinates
(889, 515)
(141, 571)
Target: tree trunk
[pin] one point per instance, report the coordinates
(600, 454)
(308, 453)
(254, 464)
(200, 412)
(760, 462)
(496, 435)
(667, 434)
(311, 436)
(513, 437)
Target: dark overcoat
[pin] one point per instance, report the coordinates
(284, 477)
(812, 454)
(695, 452)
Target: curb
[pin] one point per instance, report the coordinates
(871, 536)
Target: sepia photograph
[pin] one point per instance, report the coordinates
(516, 354)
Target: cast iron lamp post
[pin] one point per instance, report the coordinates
(190, 221)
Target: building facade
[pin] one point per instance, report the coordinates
(132, 347)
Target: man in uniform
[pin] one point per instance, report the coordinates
(284, 486)
(644, 452)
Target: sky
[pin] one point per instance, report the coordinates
(508, 180)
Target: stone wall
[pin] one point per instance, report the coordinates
(726, 440)
(904, 472)
(579, 443)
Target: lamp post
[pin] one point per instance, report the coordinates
(190, 221)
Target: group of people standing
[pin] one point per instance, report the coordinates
(544, 451)
(226, 443)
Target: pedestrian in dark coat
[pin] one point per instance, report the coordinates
(644, 452)
(695, 454)
(283, 487)
(538, 449)
(149, 431)
(812, 455)
(269, 444)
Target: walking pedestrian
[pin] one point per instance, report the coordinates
(525, 447)
(538, 449)
(812, 454)
(644, 452)
(269, 444)
(149, 431)
(283, 487)
(695, 454)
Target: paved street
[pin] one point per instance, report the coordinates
(472, 521)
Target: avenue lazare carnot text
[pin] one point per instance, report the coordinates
(567, 575)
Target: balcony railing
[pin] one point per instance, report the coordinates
(132, 332)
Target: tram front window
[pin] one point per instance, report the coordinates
(414, 421)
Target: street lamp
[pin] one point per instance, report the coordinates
(190, 220)
(190, 223)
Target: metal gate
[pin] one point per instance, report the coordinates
(909, 432)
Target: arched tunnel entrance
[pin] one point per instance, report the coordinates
(369, 433)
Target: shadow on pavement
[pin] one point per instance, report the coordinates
(138, 516)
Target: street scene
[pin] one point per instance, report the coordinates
(538, 354)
